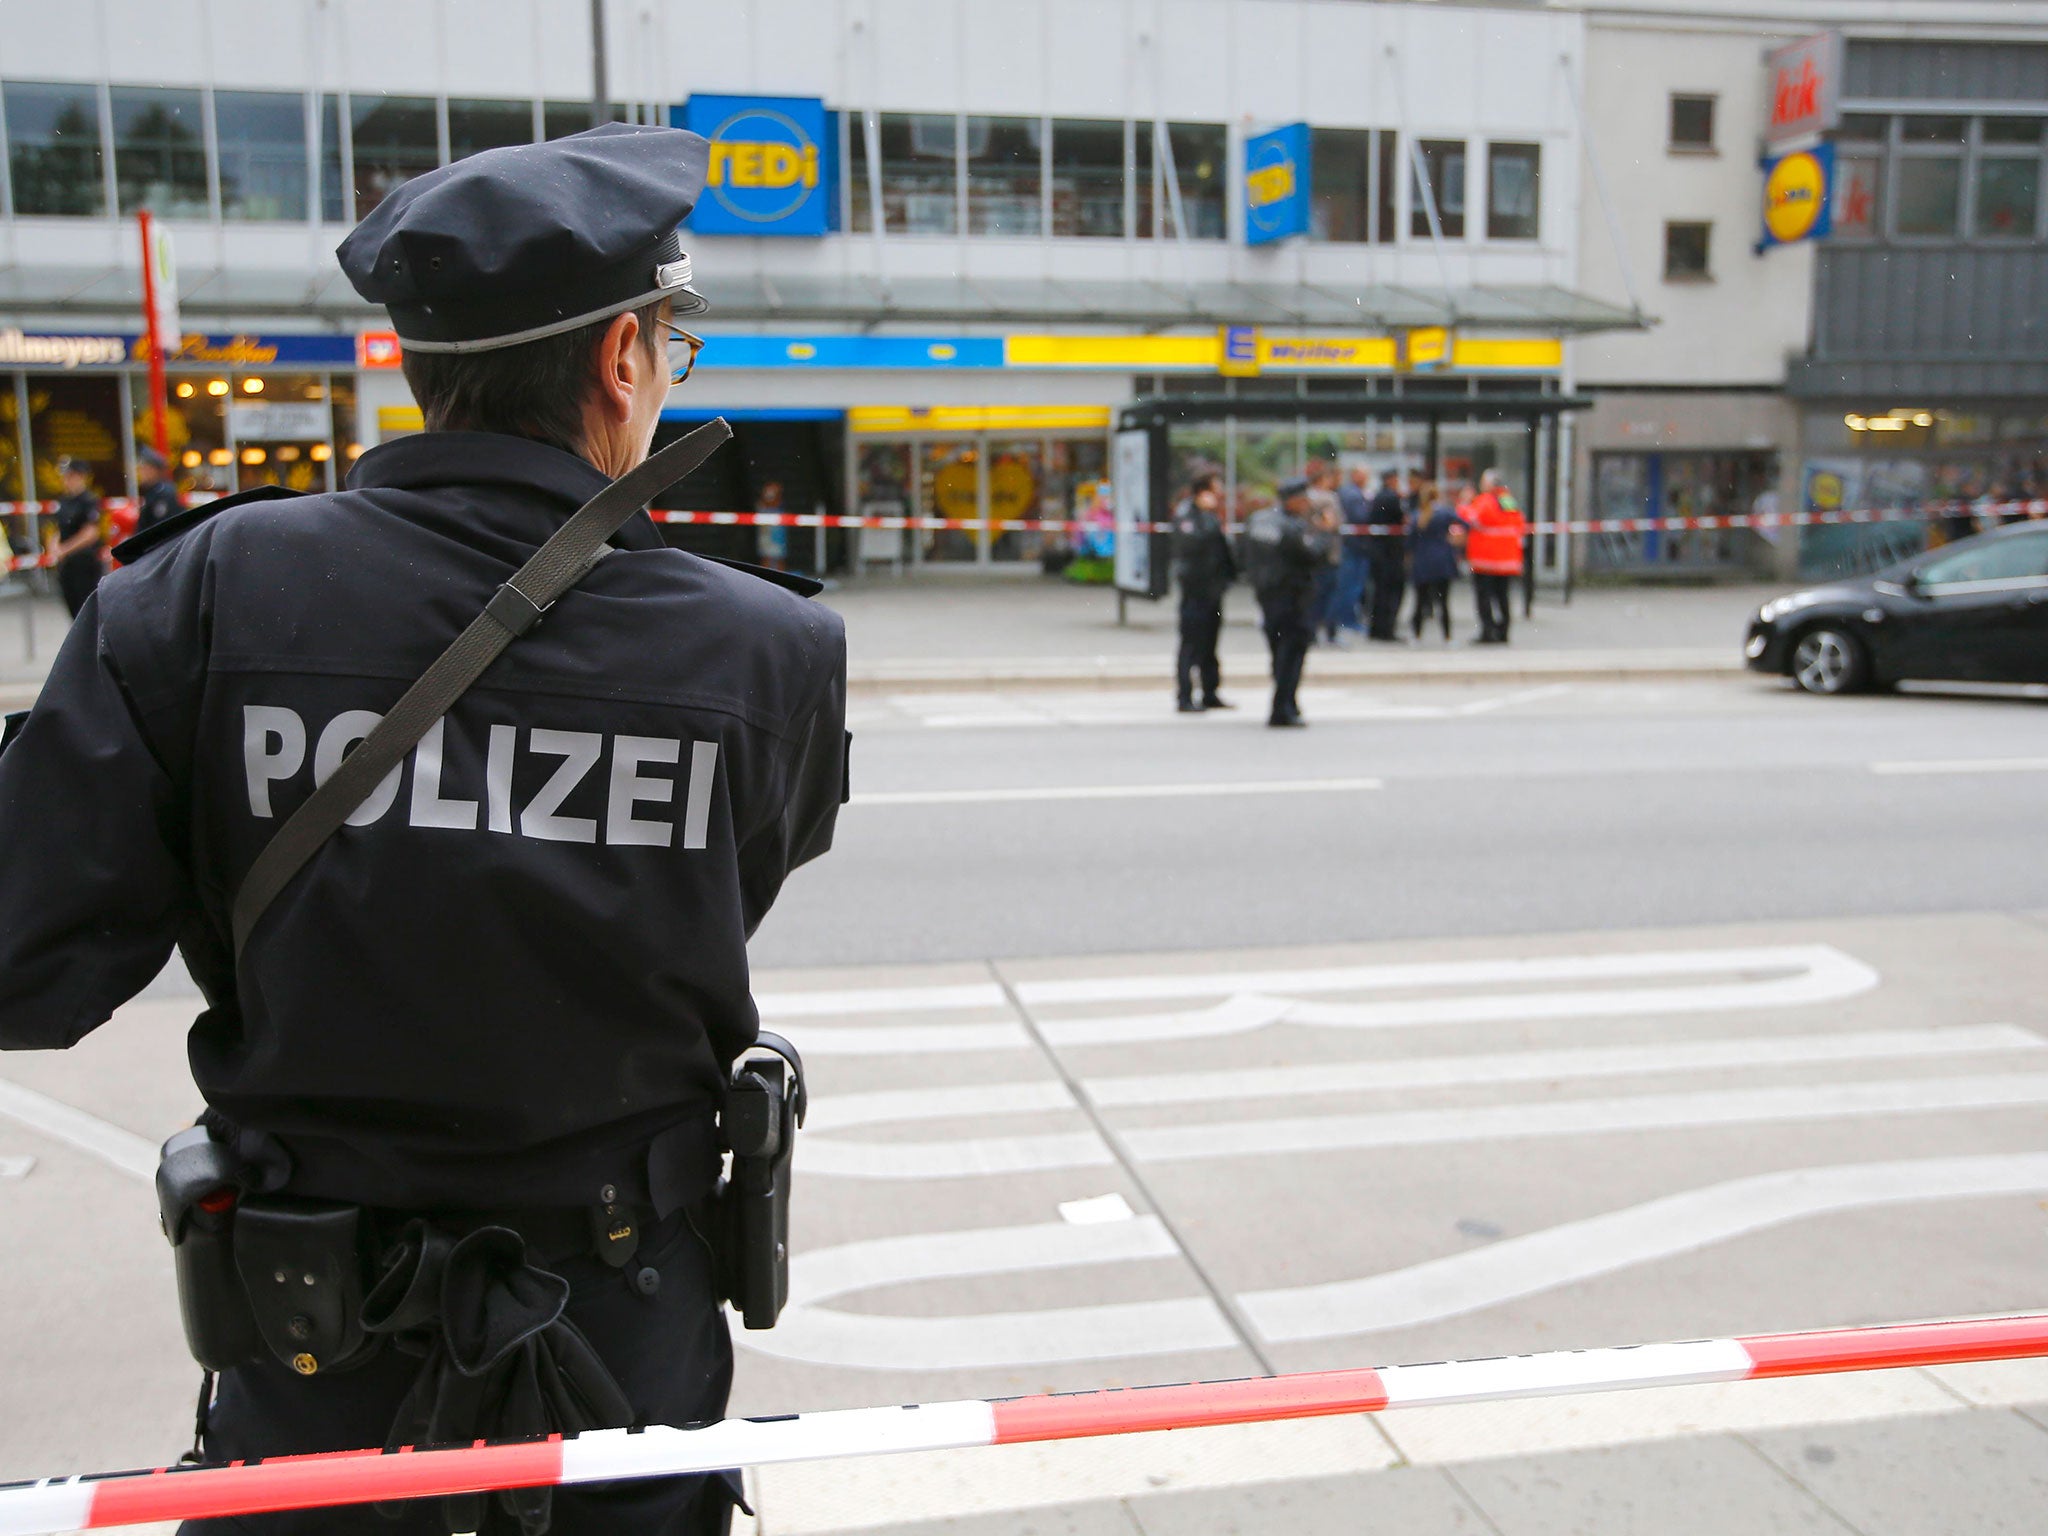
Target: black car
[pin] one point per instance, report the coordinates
(1974, 611)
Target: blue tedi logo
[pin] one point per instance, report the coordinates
(769, 168)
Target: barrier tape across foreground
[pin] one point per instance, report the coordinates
(348, 1477)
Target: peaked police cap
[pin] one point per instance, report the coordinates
(532, 240)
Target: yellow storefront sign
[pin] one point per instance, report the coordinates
(1248, 351)
(1297, 354)
(1112, 351)
(978, 418)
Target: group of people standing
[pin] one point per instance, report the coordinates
(1336, 560)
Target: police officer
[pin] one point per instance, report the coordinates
(159, 498)
(1204, 567)
(76, 554)
(501, 1003)
(1283, 553)
(1388, 515)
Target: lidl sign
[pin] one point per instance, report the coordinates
(1797, 195)
(771, 164)
(1276, 183)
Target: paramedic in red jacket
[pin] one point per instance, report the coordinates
(1493, 549)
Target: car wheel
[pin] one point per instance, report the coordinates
(1829, 660)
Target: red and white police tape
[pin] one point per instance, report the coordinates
(351, 1477)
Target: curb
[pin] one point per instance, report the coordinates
(1106, 672)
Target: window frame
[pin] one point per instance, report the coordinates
(308, 155)
(1418, 210)
(1673, 145)
(1706, 272)
(1535, 148)
(102, 115)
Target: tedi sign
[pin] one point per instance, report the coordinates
(770, 171)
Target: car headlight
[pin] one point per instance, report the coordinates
(1778, 607)
(1756, 645)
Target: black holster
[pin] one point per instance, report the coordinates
(259, 1272)
(763, 1108)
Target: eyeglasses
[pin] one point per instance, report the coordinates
(681, 345)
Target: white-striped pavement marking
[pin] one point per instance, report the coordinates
(1221, 788)
(904, 1106)
(1657, 1229)
(1965, 765)
(1418, 1294)
(984, 1156)
(117, 1148)
(820, 1335)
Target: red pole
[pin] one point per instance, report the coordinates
(159, 428)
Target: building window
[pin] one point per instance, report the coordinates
(475, 125)
(333, 178)
(53, 149)
(1929, 194)
(1340, 185)
(2005, 193)
(1088, 177)
(1513, 181)
(1005, 174)
(1199, 151)
(1686, 249)
(160, 151)
(394, 138)
(920, 175)
(1443, 162)
(1692, 124)
(262, 139)
(559, 119)
(1858, 197)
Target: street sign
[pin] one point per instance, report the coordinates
(1798, 204)
(1805, 88)
(770, 169)
(1276, 184)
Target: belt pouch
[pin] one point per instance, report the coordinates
(301, 1265)
(198, 1189)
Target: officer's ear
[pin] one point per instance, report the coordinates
(623, 368)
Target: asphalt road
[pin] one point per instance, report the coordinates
(974, 832)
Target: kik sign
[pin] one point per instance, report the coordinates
(1276, 182)
(771, 165)
(1805, 88)
(1798, 195)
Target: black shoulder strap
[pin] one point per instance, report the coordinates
(516, 607)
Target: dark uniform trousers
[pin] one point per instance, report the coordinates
(1389, 579)
(1493, 595)
(669, 1351)
(1289, 632)
(1201, 626)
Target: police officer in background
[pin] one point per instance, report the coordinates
(492, 1016)
(1388, 515)
(1204, 567)
(1284, 551)
(159, 498)
(76, 552)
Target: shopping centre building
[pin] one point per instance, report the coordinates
(946, 244)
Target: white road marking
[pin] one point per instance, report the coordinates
(1828, 972)
(117, 1148)
(821, 1335)
(840, 1111)
(1199, 1141)
(1510, 700)
(1037, 792)
(904, 1039)
(1966, 765)
(1097, 1209)
(1657, 1229)
(16, 1167)
(1544, 1066)
(1841, 974)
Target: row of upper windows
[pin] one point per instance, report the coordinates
(285, 156)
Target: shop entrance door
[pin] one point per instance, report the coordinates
(975, 482)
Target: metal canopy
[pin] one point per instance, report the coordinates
(853, 299)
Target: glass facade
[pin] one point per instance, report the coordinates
(53, 149)
(262, 136)
(1514, 175)
(160, 151)
(1938, 177)
(1443, 162)
(1005, 175)
(920, 174)
(475, 125)
(1088, 157)
(393, 139)
(1199, 152)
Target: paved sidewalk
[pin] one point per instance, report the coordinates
(945, 630)
(942, 630)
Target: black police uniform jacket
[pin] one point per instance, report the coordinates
(1282, 555)
(521, 970)
(1202, 561)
